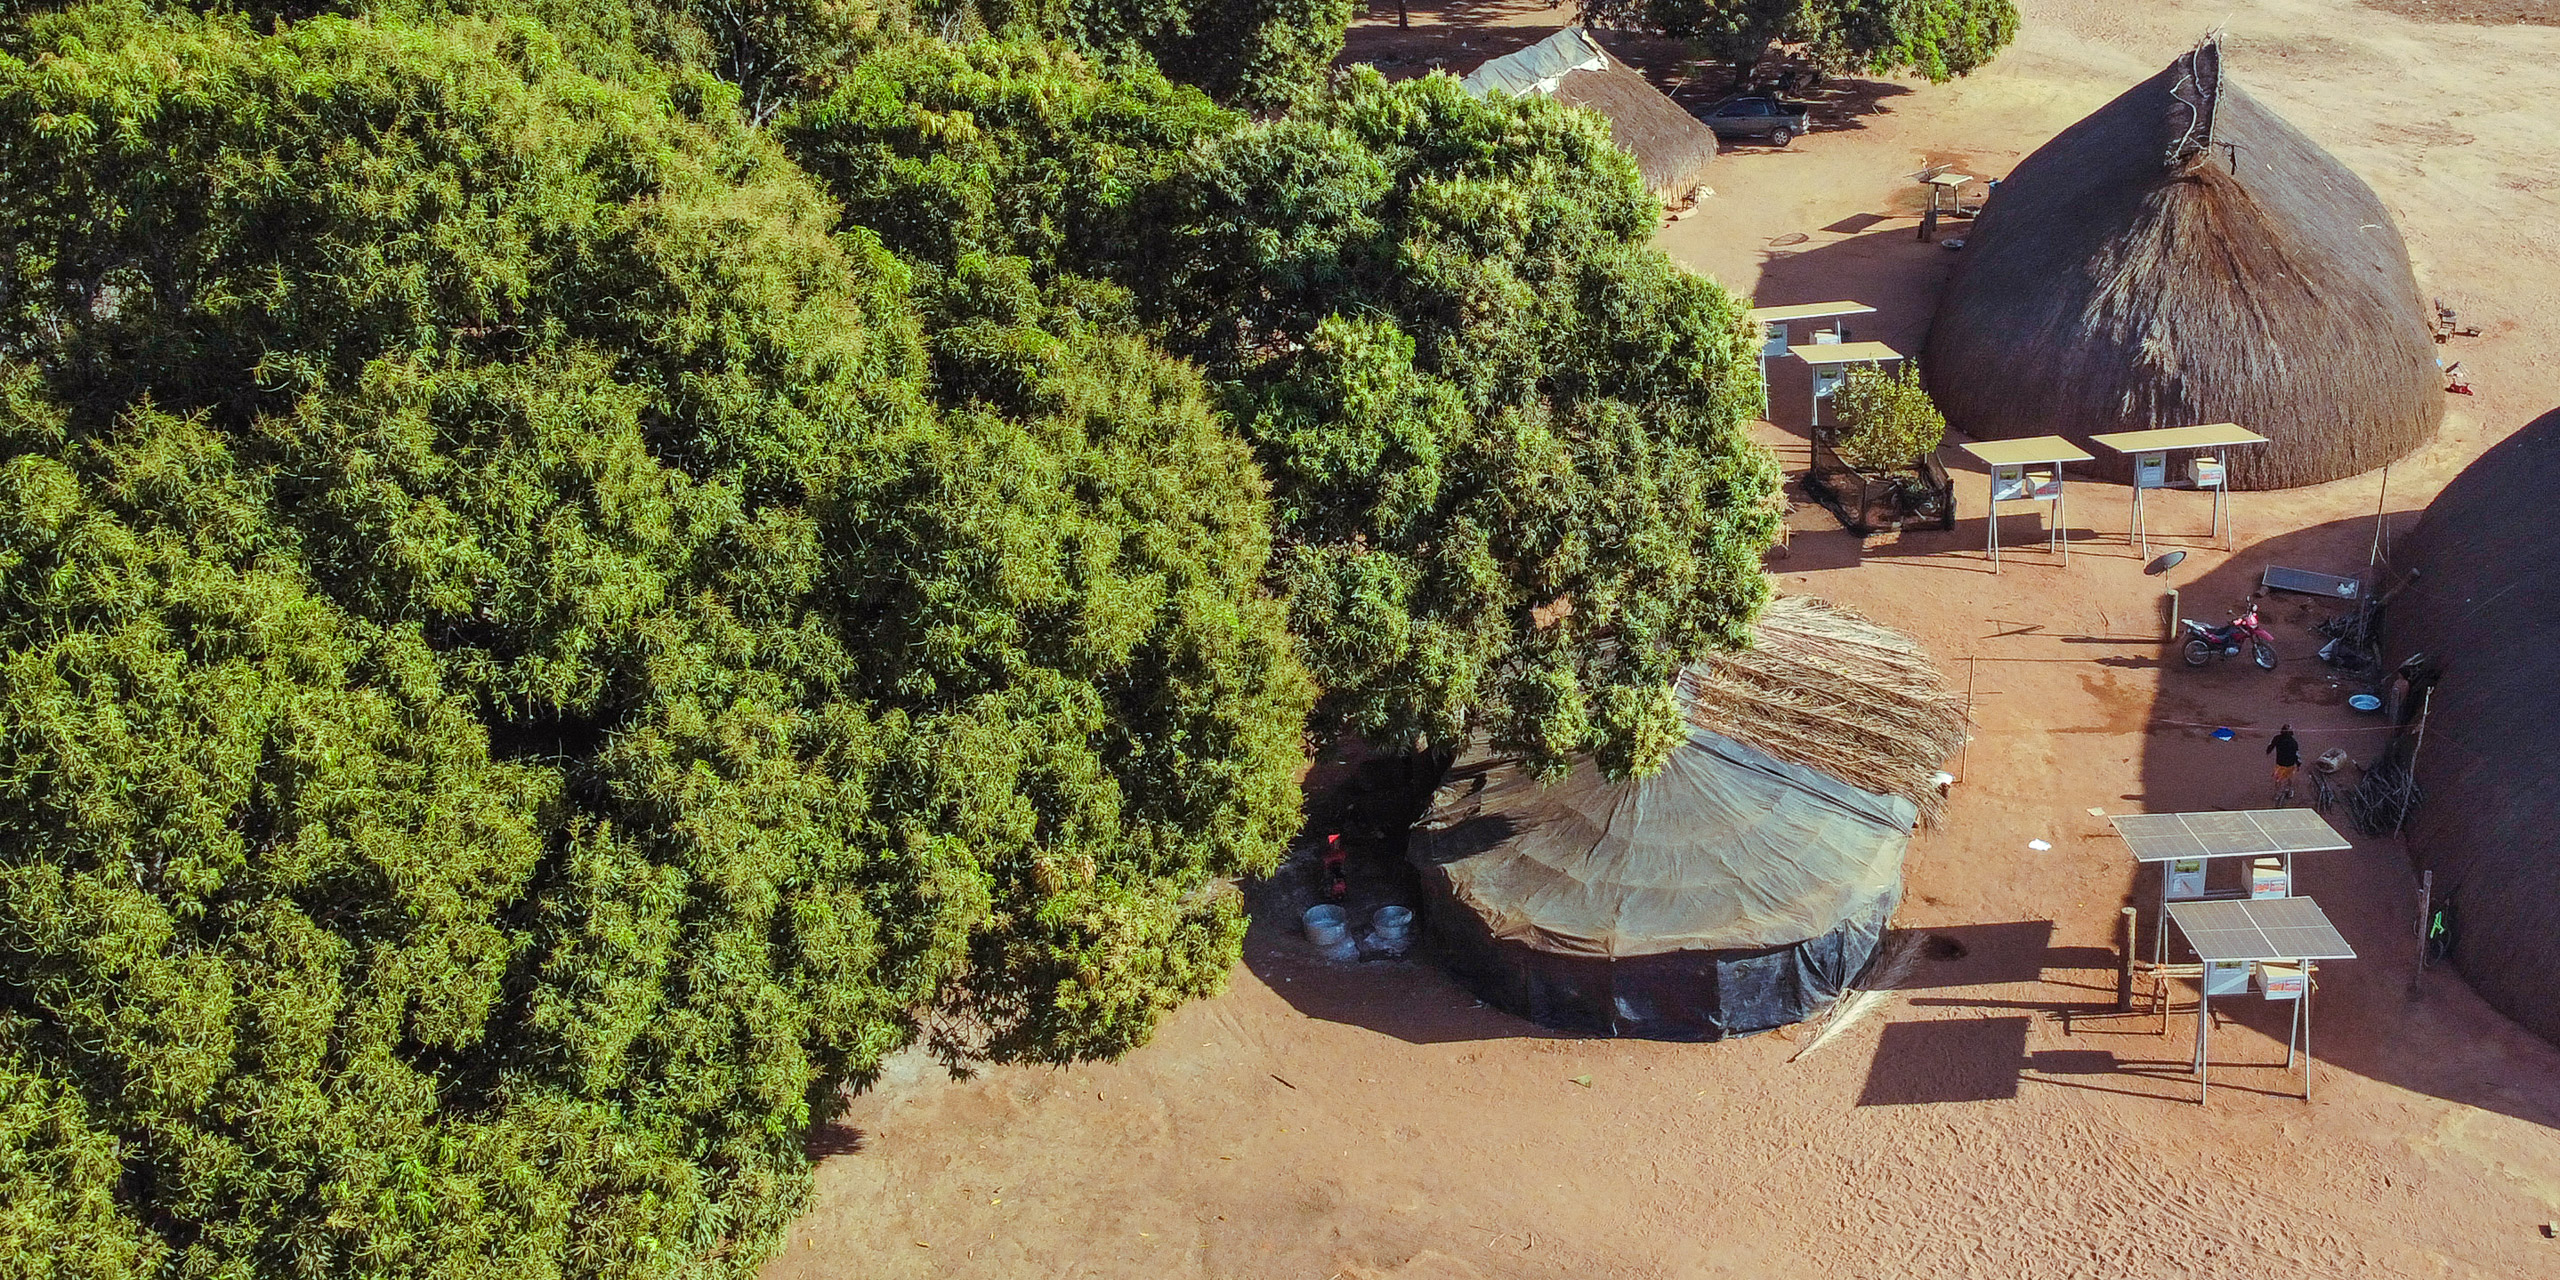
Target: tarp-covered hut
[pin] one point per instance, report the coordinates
(2185, 256)
(1671, 147)
(1740, 888)
(2482, 610)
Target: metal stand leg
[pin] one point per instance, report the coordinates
(2160, 927)
(2292, 1028)
(2204, 1036)
(2308, 968)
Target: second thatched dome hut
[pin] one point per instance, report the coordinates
(2185, 256)
(2480, 611)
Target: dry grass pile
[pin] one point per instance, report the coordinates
(1825, 688)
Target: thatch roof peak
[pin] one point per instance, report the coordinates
(1822, 687)
(2185, 255)
(1672, 148)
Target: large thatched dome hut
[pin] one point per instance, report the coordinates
(2185, 256)
(2481, 610)
(1740, 888)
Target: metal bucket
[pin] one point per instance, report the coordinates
(1327, 926)
(1391, 930)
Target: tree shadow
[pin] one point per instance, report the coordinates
(833, 1139)
(1975, 955)
(1946, 1060)
(2443, 1041)
(1885, 268)
(1372, 800)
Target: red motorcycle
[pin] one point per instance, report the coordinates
(2204, 644)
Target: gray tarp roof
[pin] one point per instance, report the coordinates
(1726, 848)
(1538, 68)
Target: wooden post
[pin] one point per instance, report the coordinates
(2124, 964)
(2426, 910)
(2170, 624)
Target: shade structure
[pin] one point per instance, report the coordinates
(2488, 556)
(1671, 147)
(2185, 255)
(1738, 889)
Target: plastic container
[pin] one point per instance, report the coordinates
(1327, 926)
(2364, 702)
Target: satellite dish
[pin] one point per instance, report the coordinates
(2164, 563)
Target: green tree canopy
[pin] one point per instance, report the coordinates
(1504, 434)
(1939, 39)
(1257, 54)
(1886, 420)
(529, 659)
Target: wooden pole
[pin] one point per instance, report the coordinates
(2426, 909)
(2379, 506)
(1964, 751)
(2124, 964)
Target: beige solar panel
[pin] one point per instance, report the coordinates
(2212, 435)
(1809, 311)
(1844, 353)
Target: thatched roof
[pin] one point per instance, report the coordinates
(1827, 689)
(2488, 554)
(1672, 148)
(2185, 256)
(1782, 814)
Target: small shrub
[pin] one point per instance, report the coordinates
(1886, 420)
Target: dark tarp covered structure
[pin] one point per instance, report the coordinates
(1731, 892)
(2186, 256)
(2488, 821)
(1672, 148)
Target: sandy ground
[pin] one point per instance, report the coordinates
(1351, 1121)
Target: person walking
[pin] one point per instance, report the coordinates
(2288, 754)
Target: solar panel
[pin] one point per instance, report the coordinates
(2162, 837)
(2157, 837)
(2227, 835)
(2260, 929)
(2298, 830)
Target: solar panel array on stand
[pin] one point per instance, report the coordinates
(2260, 929)
(2167, 837)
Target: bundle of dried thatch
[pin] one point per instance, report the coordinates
(1827, 689)
(2185, 256)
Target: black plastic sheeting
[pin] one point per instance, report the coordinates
(1673, 995)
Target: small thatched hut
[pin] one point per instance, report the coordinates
(1671, 147)
(1740, 888)
(2488, 766)
(2185, 256)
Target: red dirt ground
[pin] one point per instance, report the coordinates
(1343, 1121)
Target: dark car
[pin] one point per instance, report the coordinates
(1756, 116)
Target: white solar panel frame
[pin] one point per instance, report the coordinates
(2236, 833)
(2238, 929)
